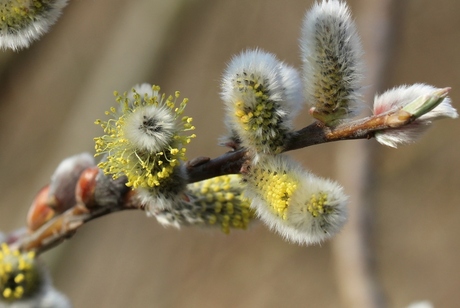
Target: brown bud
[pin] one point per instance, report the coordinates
(86, 186)
(64, 180)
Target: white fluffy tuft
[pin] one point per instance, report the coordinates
(293, 91)
(150, 128)
(262, 66)
(154, 202)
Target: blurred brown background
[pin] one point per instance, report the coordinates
(51, 93)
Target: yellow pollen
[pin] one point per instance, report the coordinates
(221, 202)
(18, 274)
(316, 205)
(275, 188)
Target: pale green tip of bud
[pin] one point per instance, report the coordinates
(426, 103)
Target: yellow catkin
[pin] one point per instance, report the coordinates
(142, 168)
(222, 203)
(317, 205)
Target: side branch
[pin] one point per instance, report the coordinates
(315, 133)
(365, 128)
(65, 225)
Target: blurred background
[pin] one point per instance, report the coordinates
(406, 200)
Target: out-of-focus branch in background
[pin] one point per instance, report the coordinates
(353, 252)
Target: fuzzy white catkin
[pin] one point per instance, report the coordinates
(25, 21)
(300, 206)
(399, 97)
(262, 96)
(331, 55)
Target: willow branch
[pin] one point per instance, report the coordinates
(64, 225)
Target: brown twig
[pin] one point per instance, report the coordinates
(65, 225)
(313, 134)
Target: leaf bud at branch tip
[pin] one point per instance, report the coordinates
(424, 103)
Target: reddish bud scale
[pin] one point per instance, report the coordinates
(86, 186)
(40, 212)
